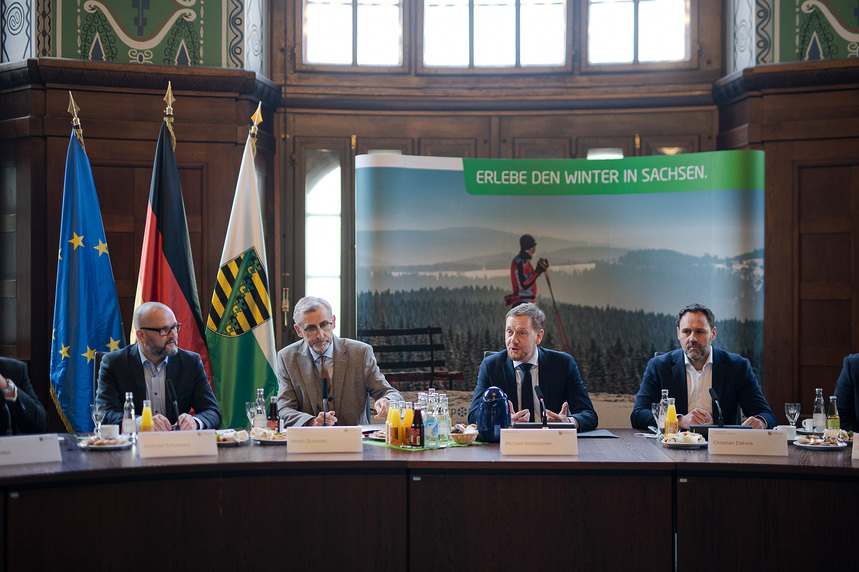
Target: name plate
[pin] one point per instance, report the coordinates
(563, 442)
(176, 444)
(324, 439)
(23, 449)
(766, 442)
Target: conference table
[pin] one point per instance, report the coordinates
(621, 503)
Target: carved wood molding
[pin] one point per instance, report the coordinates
(800, 75)
(44, 71)
(618, 98)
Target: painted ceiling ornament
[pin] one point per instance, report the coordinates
(834, 20)
(178, 9)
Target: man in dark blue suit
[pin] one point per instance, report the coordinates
(554, 372)
(149, 367)
(690, 372)
(847, 393)
(20, 409)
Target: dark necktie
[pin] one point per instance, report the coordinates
(324, 373)
(527, 389)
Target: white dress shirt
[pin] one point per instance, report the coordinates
(698, 384)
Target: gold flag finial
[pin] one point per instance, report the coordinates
(76, 122)
(168, 113)
(257, 119)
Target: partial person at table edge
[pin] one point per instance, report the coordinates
(688, 374)
(555, 373)
(21, 411)
(147, 368)
(351, 369)
(847, 393)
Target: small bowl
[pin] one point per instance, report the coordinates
(463, 438)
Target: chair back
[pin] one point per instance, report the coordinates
(98, 356)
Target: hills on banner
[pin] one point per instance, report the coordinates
(582, 274)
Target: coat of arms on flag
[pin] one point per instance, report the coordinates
(240, 301)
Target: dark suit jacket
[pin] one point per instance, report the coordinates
(847, 393)
(26, 414)
(559, 380)
(733, 379)
(122, 371)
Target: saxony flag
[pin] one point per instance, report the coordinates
(240, 332)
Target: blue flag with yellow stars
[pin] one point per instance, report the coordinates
(86, 309)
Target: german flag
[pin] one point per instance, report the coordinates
(166, 266)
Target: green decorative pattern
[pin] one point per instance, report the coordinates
(810, 30)
(178, 32)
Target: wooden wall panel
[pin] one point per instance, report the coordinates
(803, 116)
(121, 110)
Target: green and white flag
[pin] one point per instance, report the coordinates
(240, 332)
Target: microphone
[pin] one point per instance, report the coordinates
(543, 415)
(324, 399)
(718, 407)
(171, 393)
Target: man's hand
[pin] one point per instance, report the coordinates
(3, 385)
(518, 416)
(755, 422)
(695, 417)
(187, 422)
(328, 418)
(559, 417)
(161, 423)
(381, 407)
(542, 265)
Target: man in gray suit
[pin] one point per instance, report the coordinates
(349, 365)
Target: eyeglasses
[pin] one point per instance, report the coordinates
(165, 331)
(313, 330)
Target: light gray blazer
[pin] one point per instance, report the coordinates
(299, 396)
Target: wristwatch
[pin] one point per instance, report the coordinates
(10, 387)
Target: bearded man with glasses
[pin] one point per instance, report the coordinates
(155, 368)
(349, 365)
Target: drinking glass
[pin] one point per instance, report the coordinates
(98, 412)
(250, 409)
(659, 416)
(792, 411)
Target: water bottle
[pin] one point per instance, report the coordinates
(663, 411)
(129, 425)
(443, 421)
(818, 417)
(431, 422)
(259, 411)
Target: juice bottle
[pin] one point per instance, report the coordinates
(146, 418)
(392, 425)
(405, 435)
(671, 418)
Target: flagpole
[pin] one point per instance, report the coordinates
(168, 113)
(76, 122)
(257, 119)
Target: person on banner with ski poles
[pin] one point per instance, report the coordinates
(523, 274)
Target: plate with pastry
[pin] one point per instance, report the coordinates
(684, 440)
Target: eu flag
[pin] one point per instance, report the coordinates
(86, 309)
